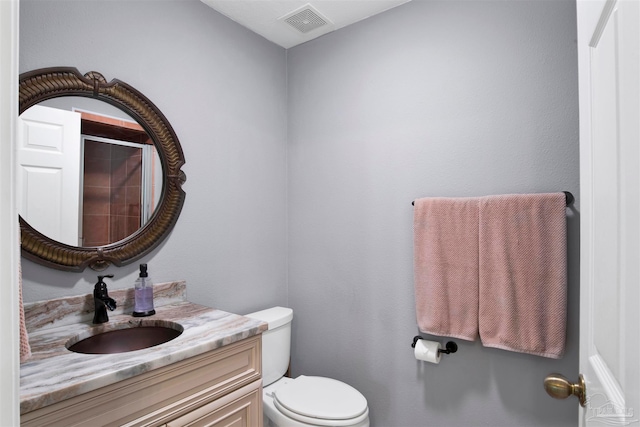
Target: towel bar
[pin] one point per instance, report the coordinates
(567, 194)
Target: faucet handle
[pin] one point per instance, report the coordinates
(100, 289)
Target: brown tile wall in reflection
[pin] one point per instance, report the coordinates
(126, 180)
(112, 185)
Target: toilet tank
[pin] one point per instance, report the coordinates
(276, 342)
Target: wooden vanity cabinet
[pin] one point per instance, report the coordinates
(220, 387)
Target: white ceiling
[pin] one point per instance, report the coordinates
(266, 17)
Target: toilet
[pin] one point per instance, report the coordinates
(306, 400)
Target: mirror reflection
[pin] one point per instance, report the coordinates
(89, 175)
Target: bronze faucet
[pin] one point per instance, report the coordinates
(102, 301)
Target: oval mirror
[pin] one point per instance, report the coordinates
(99, 179)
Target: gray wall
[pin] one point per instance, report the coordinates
(223, 88)
(432, 98)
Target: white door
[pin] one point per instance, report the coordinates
(609, 67)
(48, 175)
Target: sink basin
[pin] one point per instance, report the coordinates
(123, 337)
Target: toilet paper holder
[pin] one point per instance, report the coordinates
(450, 346)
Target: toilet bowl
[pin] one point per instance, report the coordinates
(306, 400)
(313, 401)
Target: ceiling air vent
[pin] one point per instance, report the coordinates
(305, 19)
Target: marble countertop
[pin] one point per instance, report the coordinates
(53, 373)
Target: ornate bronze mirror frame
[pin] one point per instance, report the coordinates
(40, 85)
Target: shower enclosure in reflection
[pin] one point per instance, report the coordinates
(118, 194)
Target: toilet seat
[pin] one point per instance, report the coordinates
(321, 401)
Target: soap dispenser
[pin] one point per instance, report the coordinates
(143, 294)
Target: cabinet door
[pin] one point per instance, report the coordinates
(242, 408)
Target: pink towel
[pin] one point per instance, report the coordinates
(446, 266)
(25, 348)
(523, 273)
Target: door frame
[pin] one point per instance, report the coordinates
(9, 232)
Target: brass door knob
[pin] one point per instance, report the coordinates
(559, 387)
